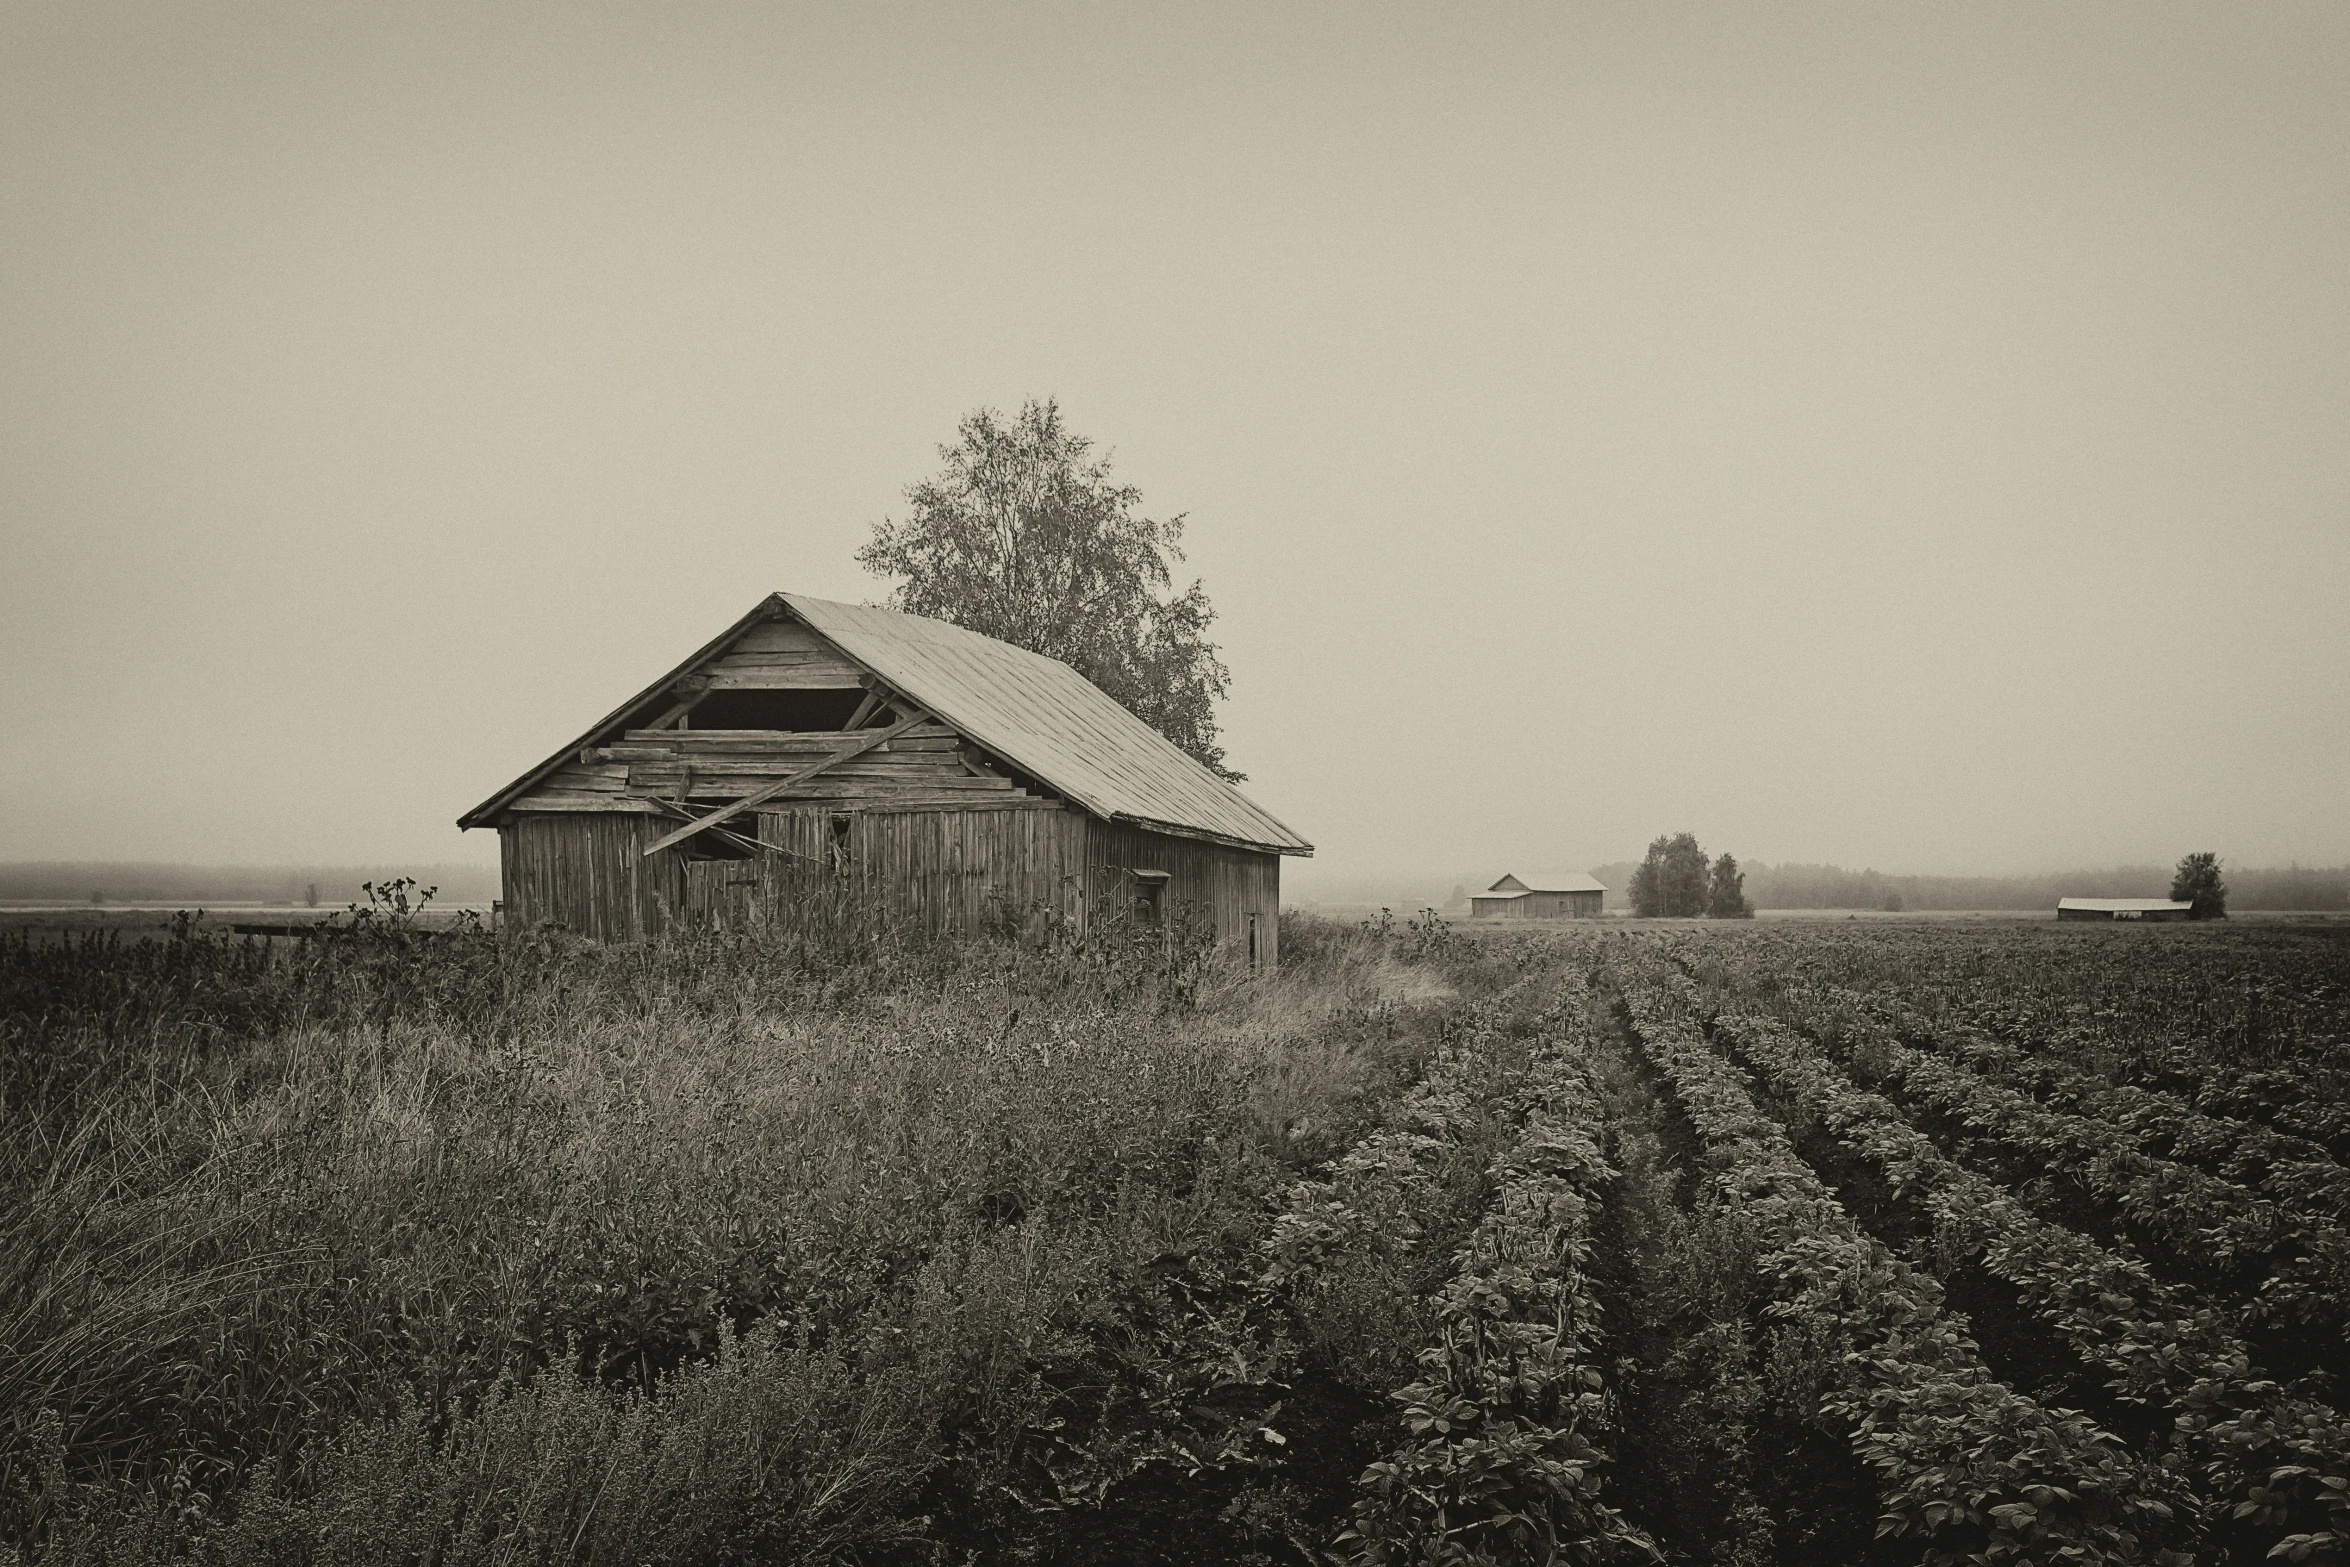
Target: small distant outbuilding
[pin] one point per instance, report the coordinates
(1553, 895)
(2122, 909)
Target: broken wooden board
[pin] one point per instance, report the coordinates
(856, 747)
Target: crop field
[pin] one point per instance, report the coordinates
(1802, 1242)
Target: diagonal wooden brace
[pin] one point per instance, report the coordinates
(876, 698)
(728, 835)
(865, 741)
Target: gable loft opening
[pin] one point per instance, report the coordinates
(794, 710)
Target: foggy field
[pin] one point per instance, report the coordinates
(1722, 1240)
(751, 753)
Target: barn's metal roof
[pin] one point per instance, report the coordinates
(1036, 713)
(2121, 905)
(1490, 896)
(1047, 719)
(1556, 881)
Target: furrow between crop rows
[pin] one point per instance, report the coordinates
(1501, 1460)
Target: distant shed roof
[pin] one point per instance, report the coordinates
(1555, 881)
(1035, 712)
(1489, 895)
(2124, 905)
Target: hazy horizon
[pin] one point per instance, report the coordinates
(1895, 439)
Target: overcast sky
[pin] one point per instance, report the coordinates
(1915, 436)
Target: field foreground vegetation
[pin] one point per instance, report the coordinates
(1757, 1244)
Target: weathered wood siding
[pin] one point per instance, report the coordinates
(1228, 886)
(942, 869)
(1559, 905)
(781, 656)
(928, 765)
(587, 871)
(1538, 906)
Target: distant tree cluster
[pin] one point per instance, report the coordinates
(2198, 882)
(1676, 882)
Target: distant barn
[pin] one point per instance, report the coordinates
(814, 747)
(1546, 896)
(2122, 909)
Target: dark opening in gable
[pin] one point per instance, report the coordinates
(774, 710)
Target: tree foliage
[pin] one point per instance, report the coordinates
(1673, 881)
(2198, 882)
(1725, 897)
(1024, 536)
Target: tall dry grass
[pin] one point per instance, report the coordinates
(442, 1247)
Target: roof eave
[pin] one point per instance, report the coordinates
(486, 813)
(1300, 848)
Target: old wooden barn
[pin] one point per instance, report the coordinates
(1540, 895)
(815, 748)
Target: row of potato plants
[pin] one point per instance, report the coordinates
(1351, 1263)
(2301, 1260)
(1362, 1221)
(2277, 1462)
(1502, 1459)
(1500, 1421)
(2306, 1098)
(1973, 1469)
(2310, 1188)
(2246, 1024)
(2205, 998)
(2251, 1029)
(2283, 1166)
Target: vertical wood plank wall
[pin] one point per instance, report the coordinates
(1227, 884)
(1549, 906)
(943, 869)
(587, 870)
(1559, 906)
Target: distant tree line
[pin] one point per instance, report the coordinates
(1675, 881)
(2315, 889)
(329, 886)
